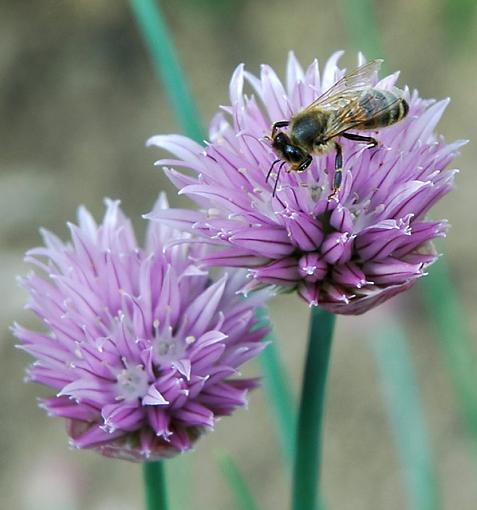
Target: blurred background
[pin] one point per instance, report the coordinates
(78, 99)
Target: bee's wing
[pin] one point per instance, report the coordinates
(359, 79)
(352, 114)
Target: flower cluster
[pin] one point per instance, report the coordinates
(347, 254)
(142, 347)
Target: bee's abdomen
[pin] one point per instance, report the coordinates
(381, 108)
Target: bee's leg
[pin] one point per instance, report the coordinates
(338, 178)
(305, 164)
(372, 142)
(279, 124)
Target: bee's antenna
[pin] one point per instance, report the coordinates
(271, 168)
(278, 178)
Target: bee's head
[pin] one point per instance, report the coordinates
(298, 159)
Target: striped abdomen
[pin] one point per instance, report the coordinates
(381, 108)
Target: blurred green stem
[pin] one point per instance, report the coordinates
(437, 289)
(406, 416)
(166, 64)
(278, 390)
(458, 16)
(361, 22)
(451, 330)
(243, 497)
(155, 486)
(306, 475)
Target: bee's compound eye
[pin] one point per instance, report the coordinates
(281, 139)
(294, 154)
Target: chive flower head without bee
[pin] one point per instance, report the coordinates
(141, 346)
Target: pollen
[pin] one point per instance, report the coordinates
(132, 383)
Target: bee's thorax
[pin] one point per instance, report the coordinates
(306, 127)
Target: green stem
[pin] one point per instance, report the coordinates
(179, 474)
(458, 17)
(155, 486)
(167, 67)
(166, 64)
(406, 416)
(243, 497)
(309, 441)
(452, 332)
(421, 483)
(277, 388)
(280, 400)
(362, 25)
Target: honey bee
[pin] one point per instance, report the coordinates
(351, 103)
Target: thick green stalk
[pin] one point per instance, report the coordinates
(166, 64)
(405, 411)
(179, 474)
(306, 475)
(155, 486)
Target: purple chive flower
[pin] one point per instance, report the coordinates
(141, 346)
(348, 254)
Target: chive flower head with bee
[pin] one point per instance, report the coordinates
(342, 216)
